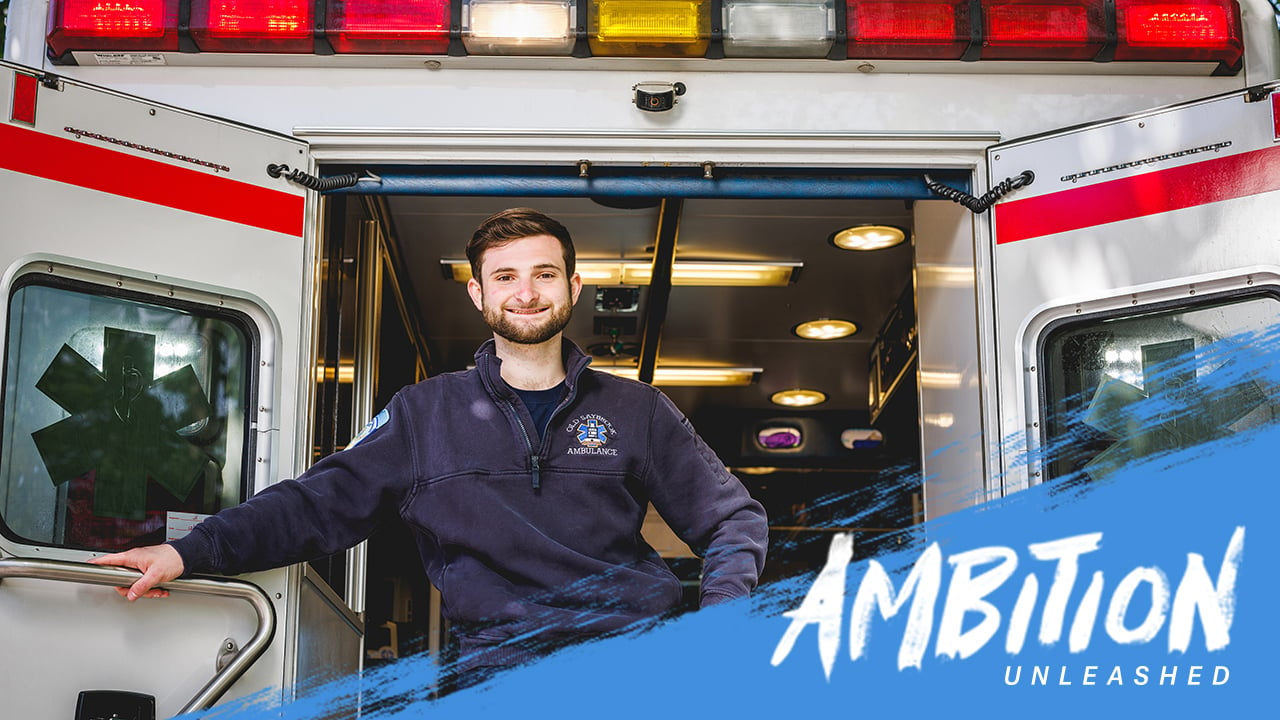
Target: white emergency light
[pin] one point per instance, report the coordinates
(779, 28)
(519, 27)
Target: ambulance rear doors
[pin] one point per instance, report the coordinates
(1137, 287)
(156, 281)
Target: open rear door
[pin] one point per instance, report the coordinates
(1143, 252)
(156, 338)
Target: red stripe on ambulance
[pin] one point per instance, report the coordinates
(77, 163)
(1222, 178)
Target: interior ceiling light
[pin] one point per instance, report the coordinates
(756, 470)
(825, 329)
(798, 398)
(684, 272)
(868, 237)
(689, 376)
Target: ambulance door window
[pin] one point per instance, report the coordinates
(126, 418)
(1122, 388)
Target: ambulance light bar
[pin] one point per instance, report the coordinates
(1072, 30)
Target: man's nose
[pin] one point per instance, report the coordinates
(525, 290)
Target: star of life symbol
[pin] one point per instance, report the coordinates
(592, 434)
(124, 424)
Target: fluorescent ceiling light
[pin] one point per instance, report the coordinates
(688, 376)
(684, 272)
(756, 470)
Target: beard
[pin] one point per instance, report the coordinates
(553, 321)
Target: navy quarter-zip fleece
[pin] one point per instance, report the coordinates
(523, 536)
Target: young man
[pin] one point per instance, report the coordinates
(525, 480)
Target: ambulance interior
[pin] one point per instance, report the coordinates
(848, 463)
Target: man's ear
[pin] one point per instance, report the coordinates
(476, 293)
(575, 287)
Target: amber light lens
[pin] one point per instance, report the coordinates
(113, 25)
(649, 28)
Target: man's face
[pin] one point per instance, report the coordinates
(523, 290)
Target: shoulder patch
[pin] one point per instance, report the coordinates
(378, 421)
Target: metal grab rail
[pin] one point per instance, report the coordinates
(87, 574)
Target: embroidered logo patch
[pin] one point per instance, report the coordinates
(378, 421)
(592, 432)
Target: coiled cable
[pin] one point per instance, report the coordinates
(318, 184)
(989, 198)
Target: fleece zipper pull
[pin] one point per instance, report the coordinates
(537, 472)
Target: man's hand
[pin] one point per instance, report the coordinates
(159, 564)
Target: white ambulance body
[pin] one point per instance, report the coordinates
(151, 263)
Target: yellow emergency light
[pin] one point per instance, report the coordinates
(649, 28)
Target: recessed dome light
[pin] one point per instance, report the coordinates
(798, 398)
(868, 237)
(825, 329)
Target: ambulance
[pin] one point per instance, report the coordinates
(893, 259)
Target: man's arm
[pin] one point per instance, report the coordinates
(332, 506)
(705, 505)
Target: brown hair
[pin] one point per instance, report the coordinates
(513, 224)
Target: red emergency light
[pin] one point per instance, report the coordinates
(265, 26)
(410, 27)
(1040, 30)
(1206, 30)
(114, 25)
(908, 29)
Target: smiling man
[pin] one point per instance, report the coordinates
(525, 480)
